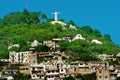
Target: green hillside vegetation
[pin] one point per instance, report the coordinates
(23, 27)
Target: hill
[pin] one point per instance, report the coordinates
(23, 27)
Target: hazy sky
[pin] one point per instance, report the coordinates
(103, 15)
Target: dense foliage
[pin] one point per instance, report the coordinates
(23, 27)
(91, 76)
(21, 76)
(118, 78)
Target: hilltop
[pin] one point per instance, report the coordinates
(24, 27)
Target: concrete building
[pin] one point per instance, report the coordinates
(102, 73)
(35, 43)
(25, 69)
(49, 43)
(78, 36)
(72, 27)
(67, 38)
(14, 45)
(19, 57)
(96, 41)
(38, 71)
(98, 64)
(52, 72)
(102, 56)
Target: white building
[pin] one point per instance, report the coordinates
(62, 72)
(35, 43)
(58, 22)
(118, 55)
(103, 74)
(72, 27)
(82, 64)
(98, 64)
(96, 41)
(19, 57)
(67, 39)
(10, 78)
(52, 72)
(103, 56)
(14, 45)
(78, 36)
(38, 71)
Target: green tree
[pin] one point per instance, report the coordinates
(118, 78)
(63, 45)
(16, 49)
(3, 79)
(20, 17)
(87, 57)
(96, 33)
(87, 29)
(62, 20)
(79, 76)
(107, 37)
(78, 46)
(26, 16)
(71, 22)
(1, 23)
(13, 18)
(91, 76)
(44, 16)
(21, 76)
(68, 78)
(33, 17)
(43, 48)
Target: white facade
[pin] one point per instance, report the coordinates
(78, 36)
(10, 78)
(37, 71)
(67, 39)
(118, 54)
(14, 45)
(82, 64)
(35, 43)
(19, 57)
(96, 41)
(103, 56)
(62, 72)
(72, 27)
(98, 64)
(58, 22)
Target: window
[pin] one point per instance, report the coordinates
(100, 77)
(106, 77)
(33, 76)
(81, 63)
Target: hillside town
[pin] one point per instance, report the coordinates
(53, 66)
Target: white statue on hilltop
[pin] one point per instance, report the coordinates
(56, 19)
(56, 15)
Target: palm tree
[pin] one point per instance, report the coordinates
(44, 16)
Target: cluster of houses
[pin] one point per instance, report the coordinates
(52, 66)
(51, 43)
